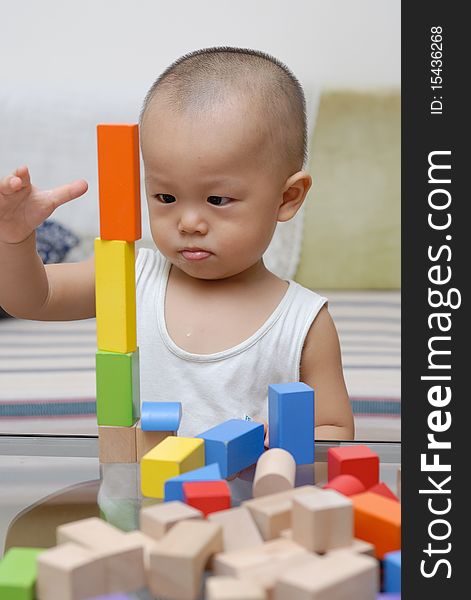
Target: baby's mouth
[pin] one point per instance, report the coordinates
(195, 253)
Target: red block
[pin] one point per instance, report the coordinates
(207, 496)
(359, 461)
(383, 490)
(348, 485)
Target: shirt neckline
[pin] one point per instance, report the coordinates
(222, 354)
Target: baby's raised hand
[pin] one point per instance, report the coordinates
(23, 207)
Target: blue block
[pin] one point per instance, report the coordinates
(291, 419)
(173, 487)
(161, 416)
(234, 445)
(392, 572)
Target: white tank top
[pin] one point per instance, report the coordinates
(224, 385)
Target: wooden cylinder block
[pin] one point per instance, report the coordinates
(275, 472)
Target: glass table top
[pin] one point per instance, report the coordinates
(49, 480)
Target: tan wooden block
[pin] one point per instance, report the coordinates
(92, 533)
(238, 528)
(146, 440)
(357, 546)
(272, 513)
(117, 444)
(235, 562)
(147, 543)
(398, 482)
(69, 572)
(323, 521)
(157, 519)
(177, 565)
(287, 534)
(124, 559)
(275, 472)
(230, 588)
(330, 578)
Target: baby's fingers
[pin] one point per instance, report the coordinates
(65, 193)
(15, 182)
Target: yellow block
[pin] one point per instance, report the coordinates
(115, 290)
(172, 457)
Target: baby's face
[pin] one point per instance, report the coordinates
(210, 185)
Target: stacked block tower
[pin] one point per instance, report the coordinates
(117, 356)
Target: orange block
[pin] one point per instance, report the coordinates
(378, 521)
(119, 182)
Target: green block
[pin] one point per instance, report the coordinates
(18, 573)
(117, 388)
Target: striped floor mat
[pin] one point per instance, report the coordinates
(47, 376)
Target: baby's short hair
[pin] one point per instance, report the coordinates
(199, 79)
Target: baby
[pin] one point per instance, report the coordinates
(223, 141)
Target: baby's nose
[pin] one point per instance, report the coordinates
(191, 222)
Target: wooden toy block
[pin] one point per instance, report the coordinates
(238, 528)
(392, 572)
(115, 292)
(146, 542)
(322, 521)
(398, 482)
(161, 416)
(262, 565)
(119, 182)
(348, 485)
(234, 445)
(357, 546)
(70, 572)
(117, 444)
(173, 488)
(177, 565)
(18, 573)
(230, 588)
(378, 521)
(113, 597)
(383, 490)
(146, 440)
(330, 578)
(207, 496)
(275, 472)
(272, 513)
(117, 388)
(359, 461)
(92, 533)
(172, 457)
(266, 575)
(123, 558)
(236, 562)
(291, 419)
(155, 521)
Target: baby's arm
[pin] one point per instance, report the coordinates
(29, 289)
(321, 368)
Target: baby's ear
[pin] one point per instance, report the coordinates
(294, 193)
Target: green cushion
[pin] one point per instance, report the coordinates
(352, 213)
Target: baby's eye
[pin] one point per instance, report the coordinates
(165, 198)
(218, 200)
